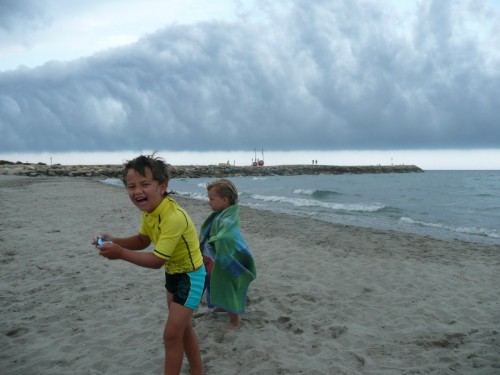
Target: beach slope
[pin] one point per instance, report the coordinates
(328, 299)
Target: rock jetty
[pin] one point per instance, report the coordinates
(193, 171)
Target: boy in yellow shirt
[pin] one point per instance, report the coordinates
(170, 229)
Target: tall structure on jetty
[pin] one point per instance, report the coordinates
(258, 162)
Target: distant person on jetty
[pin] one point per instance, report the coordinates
(177, 250)
(229, 262)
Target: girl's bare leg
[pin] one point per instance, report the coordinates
(234, 321)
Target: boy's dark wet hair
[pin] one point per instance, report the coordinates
(159, 169)
(225, 189)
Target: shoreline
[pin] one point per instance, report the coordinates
(328, 298)
(195, 171)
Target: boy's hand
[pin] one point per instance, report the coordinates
(110, 250)
(101, 235)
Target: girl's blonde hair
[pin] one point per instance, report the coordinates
(225, 189)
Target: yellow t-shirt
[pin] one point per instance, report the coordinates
(171, 230)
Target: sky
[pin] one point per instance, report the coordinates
(343, 81)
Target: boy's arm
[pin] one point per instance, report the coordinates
(114, 251)
(137, 242)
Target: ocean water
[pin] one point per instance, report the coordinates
(461, 205)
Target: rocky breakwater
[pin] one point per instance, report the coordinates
(194, 171)
(34, 170)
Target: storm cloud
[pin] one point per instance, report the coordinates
(304, 75)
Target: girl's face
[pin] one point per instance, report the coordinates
(145, 192)
(216, 202)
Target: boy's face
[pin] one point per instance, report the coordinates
(216, 202)
(145, 192)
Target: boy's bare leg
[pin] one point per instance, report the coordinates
(192, 350)
(179, 332)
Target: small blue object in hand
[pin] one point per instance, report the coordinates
(102, 240)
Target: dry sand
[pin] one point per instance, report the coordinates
(328, 299)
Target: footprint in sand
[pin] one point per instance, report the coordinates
(17, 332)
(329, 332)
(285, 322)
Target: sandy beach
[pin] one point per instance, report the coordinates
(328, 299)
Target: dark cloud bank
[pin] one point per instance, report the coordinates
(324, 75)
